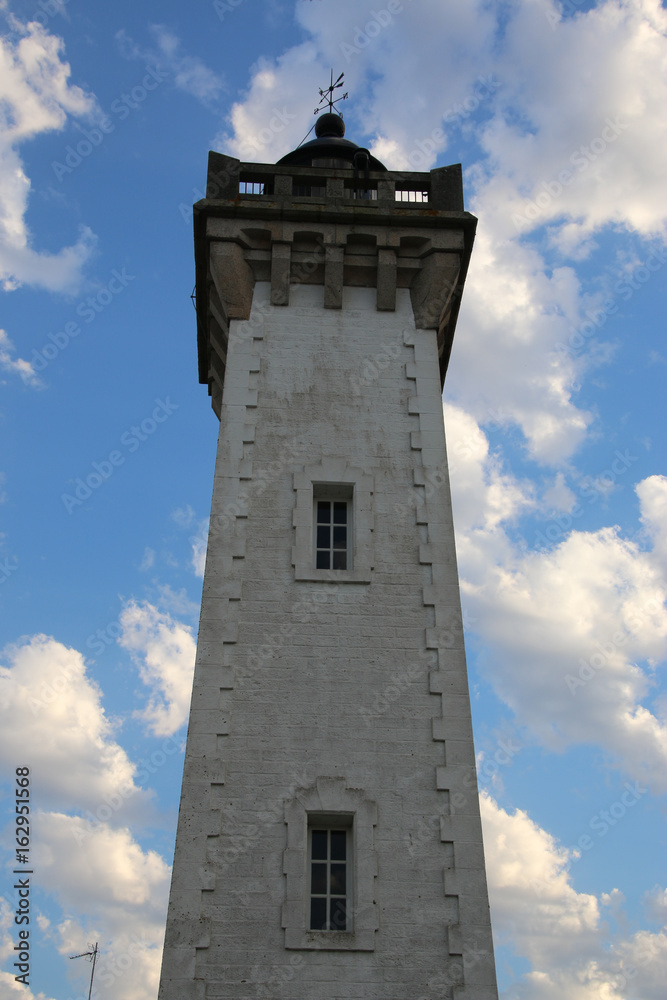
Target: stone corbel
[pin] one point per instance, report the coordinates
(433, 287)
(280, 273)
(333, 277)
(386, 280)
(232, 277)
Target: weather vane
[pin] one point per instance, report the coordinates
(326, 96)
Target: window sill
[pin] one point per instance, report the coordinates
(330, 940)
(333, 575)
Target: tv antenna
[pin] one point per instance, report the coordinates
(92, 955)
(326, 96)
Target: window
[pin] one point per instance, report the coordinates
(331, 528)
(411, 194)
(330, 867)
(329, 878)
(333, 519)
(252, 184)
(309, 190)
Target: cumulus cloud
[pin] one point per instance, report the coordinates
(49, 703)
(561, 932)
(503, 87)
(89, 863)
(113, 862)
(164, 650)
(119, 893)
(508, 369)
(37, 97)
(610, 143)
(573, 631)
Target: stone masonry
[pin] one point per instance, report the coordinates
(325, 325)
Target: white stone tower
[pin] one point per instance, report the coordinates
(329, 843)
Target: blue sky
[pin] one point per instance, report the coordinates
(555, 425)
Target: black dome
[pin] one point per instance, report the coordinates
(329, 147)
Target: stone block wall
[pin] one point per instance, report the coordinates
(347, 690)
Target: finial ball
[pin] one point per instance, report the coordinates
(330, 125)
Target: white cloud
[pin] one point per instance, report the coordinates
(186, 518)
(48, 703)
(37, 97)
(17, 366)
(90, 863)
(526, 339)
(164, 651)
(199, 546)
(611, 143)
(561, 932)
(656, 904)
(119, 893)
(72, 858)
(559, 497)
(148, 559)
(189, 73)
(507, 367)
(9, 988)
(652, 493)
(572, 633)
(515, 365)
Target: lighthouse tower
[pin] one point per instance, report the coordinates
(329, 843)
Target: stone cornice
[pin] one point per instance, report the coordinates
(290, 225)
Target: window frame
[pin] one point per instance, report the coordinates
(330, 803)
(334, 494)
(330, 823)
(332, 479)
